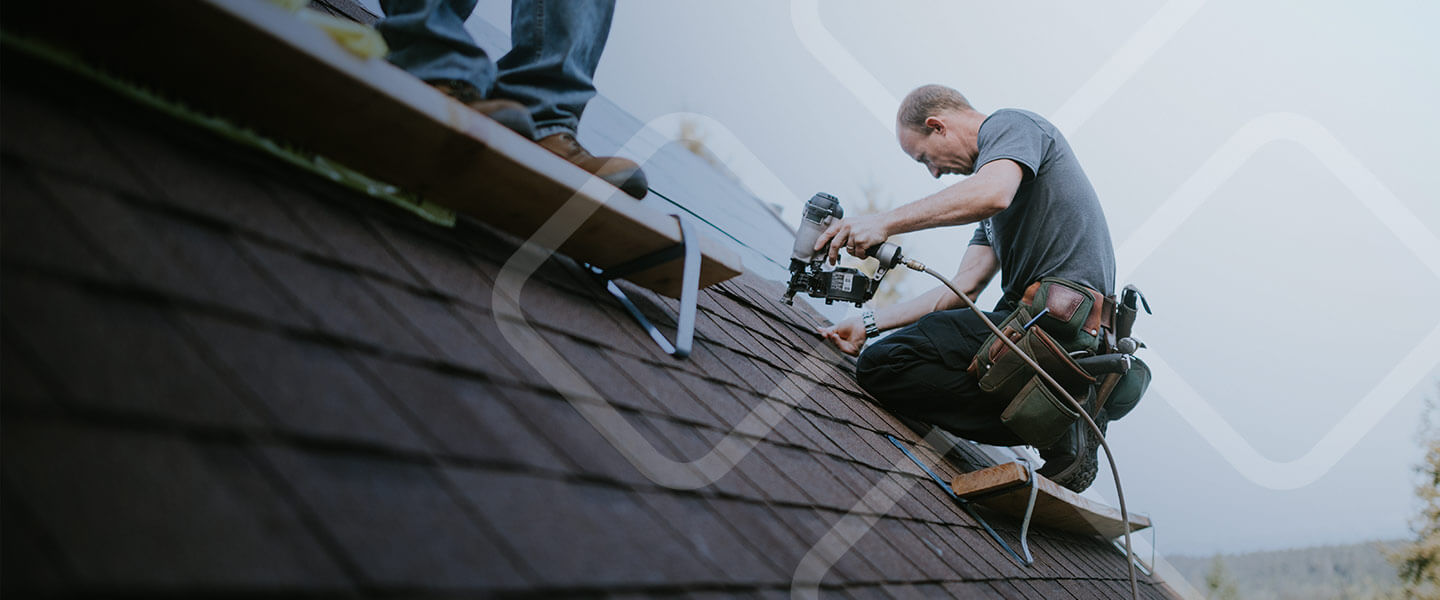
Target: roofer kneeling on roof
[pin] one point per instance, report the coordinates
(1042, 228)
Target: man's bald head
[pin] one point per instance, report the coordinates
(928, 101)
(938, 128)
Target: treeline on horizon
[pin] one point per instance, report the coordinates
(1349, 572)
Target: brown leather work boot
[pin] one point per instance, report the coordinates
(513, 115)
(620, 172)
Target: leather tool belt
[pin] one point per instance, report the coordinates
(1083, 312)
(1056, 317)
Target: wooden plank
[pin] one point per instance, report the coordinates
(1055, 506)
(257, 64)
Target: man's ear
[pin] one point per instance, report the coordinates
(935, 125)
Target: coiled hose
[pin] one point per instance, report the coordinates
(1099, 435)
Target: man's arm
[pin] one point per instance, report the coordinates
(987, 192)
(978, 197)
(976, 270)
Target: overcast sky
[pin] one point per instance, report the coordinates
(1268, 170)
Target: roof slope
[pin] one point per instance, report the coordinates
(224, 376)
(680, 180)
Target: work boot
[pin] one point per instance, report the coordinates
(513, 115)
(620, 172)
(1074, 461)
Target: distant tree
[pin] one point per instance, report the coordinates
(1218, 585)
(1419, 561)
(693, 138)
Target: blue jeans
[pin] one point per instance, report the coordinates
(550, 68)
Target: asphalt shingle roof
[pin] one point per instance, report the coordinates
(221, 375)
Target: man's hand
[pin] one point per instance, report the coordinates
(855, 234)
(848, 336)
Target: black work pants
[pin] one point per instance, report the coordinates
(919, 372)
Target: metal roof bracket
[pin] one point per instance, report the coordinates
(1027, 559)
(689, 288)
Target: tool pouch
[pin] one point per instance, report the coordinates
(1119, 394)
(1066, 306)
(1131, 300)
(1036, 413)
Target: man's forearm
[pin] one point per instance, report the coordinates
(910, 311)
(982, 195)
(977, 268)
(941, 209)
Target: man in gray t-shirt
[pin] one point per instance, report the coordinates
(1054, 226)
(1039, 217)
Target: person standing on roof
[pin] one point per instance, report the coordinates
(1039, 217)
(538, 89)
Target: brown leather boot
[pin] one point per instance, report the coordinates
(619, 172)
(513, 115)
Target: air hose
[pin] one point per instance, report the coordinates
(1094, 428)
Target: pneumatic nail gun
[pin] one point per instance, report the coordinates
(807, 267)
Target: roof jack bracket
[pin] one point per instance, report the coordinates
(1029, 512)
(689, 249)
(1027, 559)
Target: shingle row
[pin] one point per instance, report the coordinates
(221, 375)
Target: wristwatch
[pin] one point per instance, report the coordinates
(867, 317)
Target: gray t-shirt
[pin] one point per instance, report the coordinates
(1054, 226)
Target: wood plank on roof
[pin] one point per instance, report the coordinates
(1003, 488)
(258, 65)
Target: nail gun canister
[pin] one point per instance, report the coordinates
(847, 285)
(820, 211)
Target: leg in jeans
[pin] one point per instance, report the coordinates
(551, 66)
(919, 371)
(427, 38)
